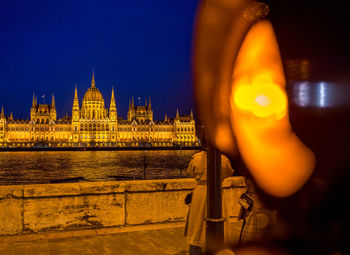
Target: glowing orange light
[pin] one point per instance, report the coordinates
(248, 111)
(277, 159)
(262, 99)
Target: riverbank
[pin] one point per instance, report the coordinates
(98, 148)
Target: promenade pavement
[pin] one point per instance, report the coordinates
(160, 241)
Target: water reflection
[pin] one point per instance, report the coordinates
(41, 167)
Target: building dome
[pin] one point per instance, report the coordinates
(93, 93)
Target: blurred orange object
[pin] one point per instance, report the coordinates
(240, 95)
(279, 162)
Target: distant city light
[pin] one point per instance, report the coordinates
(322, 94)
(303, 94)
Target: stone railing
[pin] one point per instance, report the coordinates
(26, 209)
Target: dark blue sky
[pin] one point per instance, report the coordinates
(142, 48)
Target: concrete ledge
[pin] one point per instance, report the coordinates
(159, 185)
(72, 189)
(98, 206)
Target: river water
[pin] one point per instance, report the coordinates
(52, 166)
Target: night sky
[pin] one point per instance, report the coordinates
(141, 48)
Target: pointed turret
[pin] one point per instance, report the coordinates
(11, 116)
(177, 113)
(53, 105)
(113, 107)
(53, 114)
(2, 112)
(166, 118)
(191, 114)
(93, 79)
(33, 109)
(76, 100)
(149, 103)
(33, 102)
(132, 103)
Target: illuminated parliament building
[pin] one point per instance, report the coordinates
(93, 125)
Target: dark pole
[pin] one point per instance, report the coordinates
(215, 222)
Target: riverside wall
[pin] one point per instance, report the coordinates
(42, 208)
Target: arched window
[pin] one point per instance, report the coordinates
(94, 127)
(107, 128)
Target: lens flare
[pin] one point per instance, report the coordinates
(262, 99)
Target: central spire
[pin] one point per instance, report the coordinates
(93, 79)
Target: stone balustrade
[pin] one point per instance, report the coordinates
(28, 209)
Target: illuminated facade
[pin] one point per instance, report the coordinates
(93, 125)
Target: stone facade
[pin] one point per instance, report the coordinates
(92, 124)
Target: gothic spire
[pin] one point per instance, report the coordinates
(132, 104)
(76, 100)
(191, 114)
(33, 102)
(93, 79)
(113, 92)
(2, 111)
(177, 113)
(53, 101)
(112, 105)
(149, 103)
(11, 116)
(76, 92)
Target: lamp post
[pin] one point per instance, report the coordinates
(215, 222)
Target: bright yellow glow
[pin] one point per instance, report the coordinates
(279, 162)
(263, 99)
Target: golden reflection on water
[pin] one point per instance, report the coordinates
(41, 167)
